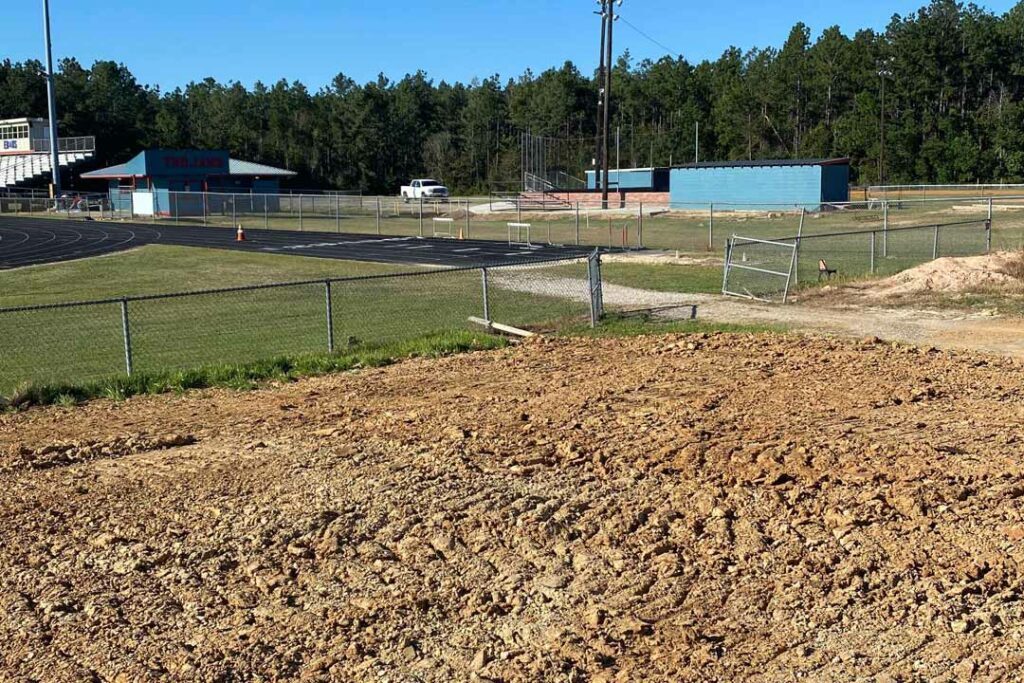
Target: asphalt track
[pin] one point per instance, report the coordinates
(30, 241)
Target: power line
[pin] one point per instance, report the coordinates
(659, 44)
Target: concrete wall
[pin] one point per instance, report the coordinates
(758, 186)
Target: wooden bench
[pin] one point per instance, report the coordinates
(823, 269)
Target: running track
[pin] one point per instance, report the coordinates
(29, 241)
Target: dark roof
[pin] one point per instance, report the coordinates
(767, 162)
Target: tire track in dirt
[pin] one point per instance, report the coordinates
(703, 507)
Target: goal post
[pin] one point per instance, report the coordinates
(519, 234)
(443, 227)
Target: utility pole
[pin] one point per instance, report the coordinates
(696, 142)
(51, 100)
(610, 21)
(598, 164)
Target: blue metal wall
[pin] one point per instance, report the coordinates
(626, 179)
(757, 186)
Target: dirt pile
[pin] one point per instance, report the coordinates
(686, 508)
(953, 275)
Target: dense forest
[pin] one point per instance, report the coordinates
(953, 112)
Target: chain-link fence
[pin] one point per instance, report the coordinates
(678, 226)
(758, 268)
(88, 340)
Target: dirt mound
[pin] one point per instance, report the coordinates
(691, 508)
(953, 275)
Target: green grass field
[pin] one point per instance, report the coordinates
(86, 342)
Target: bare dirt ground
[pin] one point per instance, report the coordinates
(690, 508)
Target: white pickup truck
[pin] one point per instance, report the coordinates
(424, 187)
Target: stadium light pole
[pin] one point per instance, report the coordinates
(51, 101)
(883, 73)
(598, 165)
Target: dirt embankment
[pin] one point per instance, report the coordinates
(661, 509)
(1002, 271)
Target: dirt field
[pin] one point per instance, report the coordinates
(692, 508)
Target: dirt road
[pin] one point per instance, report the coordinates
(702, 508)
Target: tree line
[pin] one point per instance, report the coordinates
(953, 110)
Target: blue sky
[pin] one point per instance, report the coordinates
(171, 43)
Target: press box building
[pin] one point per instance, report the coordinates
(165, 181)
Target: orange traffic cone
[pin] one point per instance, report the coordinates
(240, 235)
(460, 233)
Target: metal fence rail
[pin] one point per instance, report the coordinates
(78, 341)
(757, 268)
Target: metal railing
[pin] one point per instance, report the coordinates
(85, 340)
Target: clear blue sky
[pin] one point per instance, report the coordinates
(171, 43)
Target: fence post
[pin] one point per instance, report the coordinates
(596, 293)
(376, 217)
(266, 217)
(577, 224)
(872, 252)
(885, 228)
(234, 214)
(466, 236)
(519, 209)
(126, 333)
(988, 236)
(935, 243)
(796, 251)
(794, 267)
(990, 209)
(640, 226)
(337, 211)
(204, 196)
(330, 317)
(487, 303)
(421, 215)
(711, 227)
(174, 206)
(725, 268)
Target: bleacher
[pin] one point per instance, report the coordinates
(23, 169)
(25, 156)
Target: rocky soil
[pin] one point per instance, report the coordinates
(690, 508)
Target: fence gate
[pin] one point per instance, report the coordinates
(758, 269)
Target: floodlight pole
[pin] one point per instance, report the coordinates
(598, 165)
(51, 100)
(883, 73)
(610, 19)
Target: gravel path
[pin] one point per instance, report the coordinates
(943, 329)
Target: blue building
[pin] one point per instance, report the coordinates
(762, 184)
(766, 184)
(148, 179)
